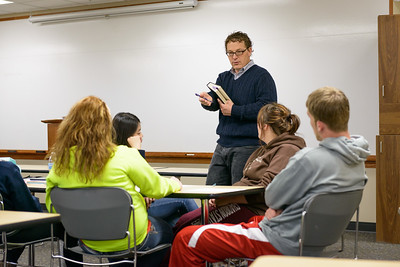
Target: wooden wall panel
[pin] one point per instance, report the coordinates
(388, 188)
(389, 74)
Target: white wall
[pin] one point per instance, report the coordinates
(152, 64)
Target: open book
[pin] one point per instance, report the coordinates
(219, 91)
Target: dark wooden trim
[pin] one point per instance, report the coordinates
(179, 157)
(52, 121)
(155, 157)
(370, 162)
(390, 7)
(162, 157)
(24, 154)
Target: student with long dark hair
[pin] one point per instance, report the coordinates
(128, 132)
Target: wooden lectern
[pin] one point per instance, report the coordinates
(52, 126)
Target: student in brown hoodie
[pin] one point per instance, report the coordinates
(276, 130)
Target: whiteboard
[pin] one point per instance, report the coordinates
(152, 64)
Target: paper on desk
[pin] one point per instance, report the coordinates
(30, 181)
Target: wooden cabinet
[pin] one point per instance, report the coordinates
(389, 74)
(388, 188)
(388, 141)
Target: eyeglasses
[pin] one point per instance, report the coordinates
(237, 53)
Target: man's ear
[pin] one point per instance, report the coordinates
(320, 126)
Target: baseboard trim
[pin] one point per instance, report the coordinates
(362, 226)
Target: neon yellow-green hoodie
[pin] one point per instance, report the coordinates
(126, 169)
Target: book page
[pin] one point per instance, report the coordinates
(219, 91)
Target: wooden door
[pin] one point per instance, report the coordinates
(389, 74)
(388, 188)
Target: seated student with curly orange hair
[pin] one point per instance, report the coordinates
(85, 155)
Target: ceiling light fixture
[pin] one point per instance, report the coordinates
(4, 2)
(117, 11)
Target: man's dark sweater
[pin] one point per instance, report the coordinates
(254, 89)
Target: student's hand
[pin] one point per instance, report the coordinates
(241, 199)
(148, 200)
(203, 101)
(219, 202)
(226, 109)
(135, 141)
(211, 203)
(222, 201)
(271, 213)
(177, 180)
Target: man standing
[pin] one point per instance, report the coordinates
(336, 165)
(250, 87)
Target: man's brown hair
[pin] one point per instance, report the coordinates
(239, 37)
(331, 106)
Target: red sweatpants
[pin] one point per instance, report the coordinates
(215, 242)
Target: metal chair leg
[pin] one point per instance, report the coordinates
(4, 240)
(356, 235)
(31, 255)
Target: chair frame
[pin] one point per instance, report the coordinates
(345, 203)
(127, 204)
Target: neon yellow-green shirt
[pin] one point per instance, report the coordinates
(126, 169)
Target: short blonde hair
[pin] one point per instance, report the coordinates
(331, 106)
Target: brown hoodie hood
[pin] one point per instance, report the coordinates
(267, 161)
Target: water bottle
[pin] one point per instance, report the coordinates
(50, 164)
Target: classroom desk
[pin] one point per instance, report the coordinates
(202, 192)
(189, 172)
(290, 261)
(34, 168)
(206, 192)
(13, 220)
(163, 171)
(36, 185)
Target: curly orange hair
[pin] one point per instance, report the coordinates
(86, 135)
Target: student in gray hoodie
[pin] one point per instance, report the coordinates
(336, 165)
